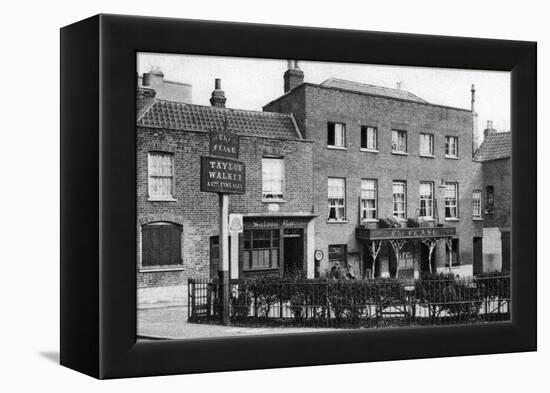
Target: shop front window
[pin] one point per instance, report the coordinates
(261, 249)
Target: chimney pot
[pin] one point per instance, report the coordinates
(218, 95)
(490, 129)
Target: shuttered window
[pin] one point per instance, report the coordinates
(161, 244)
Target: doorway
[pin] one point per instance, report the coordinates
(293, 246)
(478, 255)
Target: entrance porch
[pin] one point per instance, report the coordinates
(402, 252)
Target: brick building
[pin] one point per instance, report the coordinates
(177, 233)
(394, 178)
(341, 177)
(494, 154)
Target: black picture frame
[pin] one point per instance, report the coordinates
(98, 213)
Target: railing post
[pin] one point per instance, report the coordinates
(281, 300)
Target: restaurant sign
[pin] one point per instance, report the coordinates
(224, 144)
(222, 175)
(404, 233)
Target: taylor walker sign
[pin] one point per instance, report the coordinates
(224, 144)
(222, 175)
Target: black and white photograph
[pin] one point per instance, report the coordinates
(283, 196)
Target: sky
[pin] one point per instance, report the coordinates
(251, 83)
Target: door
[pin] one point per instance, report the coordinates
(478, 255)
(293, 248)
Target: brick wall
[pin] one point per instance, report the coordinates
(497, 173)
(197, 211)
(356, 110)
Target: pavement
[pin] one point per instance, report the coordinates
(171, 323)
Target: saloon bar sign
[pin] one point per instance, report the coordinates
(222, 175)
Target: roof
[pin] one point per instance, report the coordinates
(371, 89)
(495, 146)
(181, 116)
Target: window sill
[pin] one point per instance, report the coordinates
(452, 157)
(400, 153)
(369, 220)
(426, 155)
(426, 219)
(337, 221)
(477, 219)
(336, 147)
(273, 200)
(161, 199)
(152, 269)
(261, 269)
(452, 219)
(365, 150)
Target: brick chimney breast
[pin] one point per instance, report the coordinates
(293, 76)
(218, 95)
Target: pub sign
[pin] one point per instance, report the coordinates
(224, 144)
(222, 175)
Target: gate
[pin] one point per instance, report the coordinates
(201, 295)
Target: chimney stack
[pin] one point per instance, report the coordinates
(153, 78)
(293, 77)
(218, 96)
(490, 129)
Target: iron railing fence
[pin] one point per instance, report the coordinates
(352, 303)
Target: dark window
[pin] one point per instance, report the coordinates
(490, 205)
(161, 244)
(336, 135)
(369, 138)
(337, 255)
(261, 249)
(399, 141)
